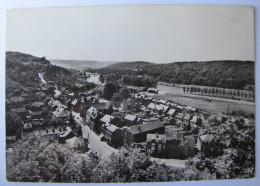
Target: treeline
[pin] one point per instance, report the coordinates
(125, 77)
(220, 92)
(225, 74)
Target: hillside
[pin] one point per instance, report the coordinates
(22, 71)
(226, 74)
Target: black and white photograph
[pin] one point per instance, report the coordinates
(133, 93)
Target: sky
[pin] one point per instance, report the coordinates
(159, 34)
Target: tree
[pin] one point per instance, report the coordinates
(124, 92)
(13, 124)
(101, 78)
(109, 90)
(41, 159)
(129, 165)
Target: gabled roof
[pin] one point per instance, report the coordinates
(16, 99)
(206, 138)
(162, 101)
(107, 118)
(102, 106)
(194, 119)
(19, 110)
(37, 113)
(27, 125)
(179, 116)
(162, 107)
(111, 127)
(171, 111)
(187, 117)
(136, 129)
(38, 104)
(156, 138)
(130, 117)
(60, 113)
(65, 133)
(40, 93)
(74, 102)
(151, 106)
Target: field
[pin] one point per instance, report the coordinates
(215, 106)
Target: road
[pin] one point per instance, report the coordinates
(102, 148)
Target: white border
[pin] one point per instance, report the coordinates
(14, 4)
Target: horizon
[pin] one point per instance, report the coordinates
(89, 60)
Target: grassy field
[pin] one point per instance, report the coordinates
(215, 106)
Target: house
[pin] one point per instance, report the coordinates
(162, 101)
(178, 108)
(37, 124)
(37, 106)
(158, 108)
(188, 145)
(195, 121)
(36, 115)
(179, 146)
(162, 109)
(137, 133)
(106, 119)
(112, 135)
(207, 145)
(171, 113)
(79, 106)
(61, 114)
(190, 109)
(17, 101)
(179, 119)
(76, 143)
(93, 119)
(67, 134)
(74, 105)
(28, 127)
(103, 107)
(40, 95)
(186, 122)
(20, 112)
(152, 90)
(156, 144)
(127, 104)
(131, 120)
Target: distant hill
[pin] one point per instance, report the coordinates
(130, 65)
(80, 64)
(226, 74)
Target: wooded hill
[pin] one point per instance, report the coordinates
(225, 74)
(22, 70)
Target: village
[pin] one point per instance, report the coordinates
(87, 122)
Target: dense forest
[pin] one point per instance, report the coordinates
(225, 74)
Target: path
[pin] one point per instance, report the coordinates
(42, 79)
(170, 162)
(102, 148)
